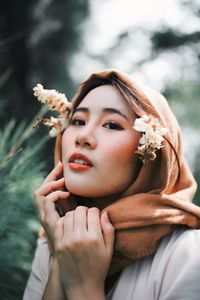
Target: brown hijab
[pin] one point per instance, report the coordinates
(160, 198)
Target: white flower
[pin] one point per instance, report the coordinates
(53, 132)
(141, 126)
(151, 138)
(57, 102)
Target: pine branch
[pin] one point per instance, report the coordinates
(21, 172)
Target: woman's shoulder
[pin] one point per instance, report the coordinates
(181, 235)
(173, 272)
(39, 272)
(182, 241)
(42, 258)
(176, 265)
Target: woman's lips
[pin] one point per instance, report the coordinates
(80, 162)
(79, 167)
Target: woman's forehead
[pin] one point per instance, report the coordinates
(106, 96)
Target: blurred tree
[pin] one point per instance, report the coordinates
(184, 92)
(181, 40)
(37, 41)
(181, 86)
(197, 175)
(168, 39)
(184, 99)
(21, 173)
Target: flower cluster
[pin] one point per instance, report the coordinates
(57, 102)
(151, 138)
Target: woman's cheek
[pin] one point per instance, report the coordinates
(67, 143)
(125, 148)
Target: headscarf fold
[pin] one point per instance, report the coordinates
(160, 199)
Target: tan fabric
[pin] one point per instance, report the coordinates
(160, 197)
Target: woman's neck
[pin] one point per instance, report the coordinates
(100, 202)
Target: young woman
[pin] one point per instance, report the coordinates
(116, 209)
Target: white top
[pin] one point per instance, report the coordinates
(172, 273)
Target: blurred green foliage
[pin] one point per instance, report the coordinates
(184, 100)
(21, 173)
(183, 92)
(37, 41)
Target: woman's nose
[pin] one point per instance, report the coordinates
(85, 139)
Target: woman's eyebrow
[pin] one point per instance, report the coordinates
(115, 111)
(104, 110)
(82, 109)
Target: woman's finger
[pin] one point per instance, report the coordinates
(54, 173)
(57, 195)
(39, 203)
(51, 186)
(80, 220)
(68, 224)
(94, 225)
(108, 231)
(59, 231)
(50, 214)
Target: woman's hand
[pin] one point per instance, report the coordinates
(45, 198)
(84, 247)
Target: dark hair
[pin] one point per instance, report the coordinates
(96, 81)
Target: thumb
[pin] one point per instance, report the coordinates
(108, 231)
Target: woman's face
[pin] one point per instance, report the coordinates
(98, 146)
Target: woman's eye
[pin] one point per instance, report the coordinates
(77, 122)
(112, 125)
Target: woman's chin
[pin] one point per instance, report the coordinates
(79, 190)
(84, 191)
